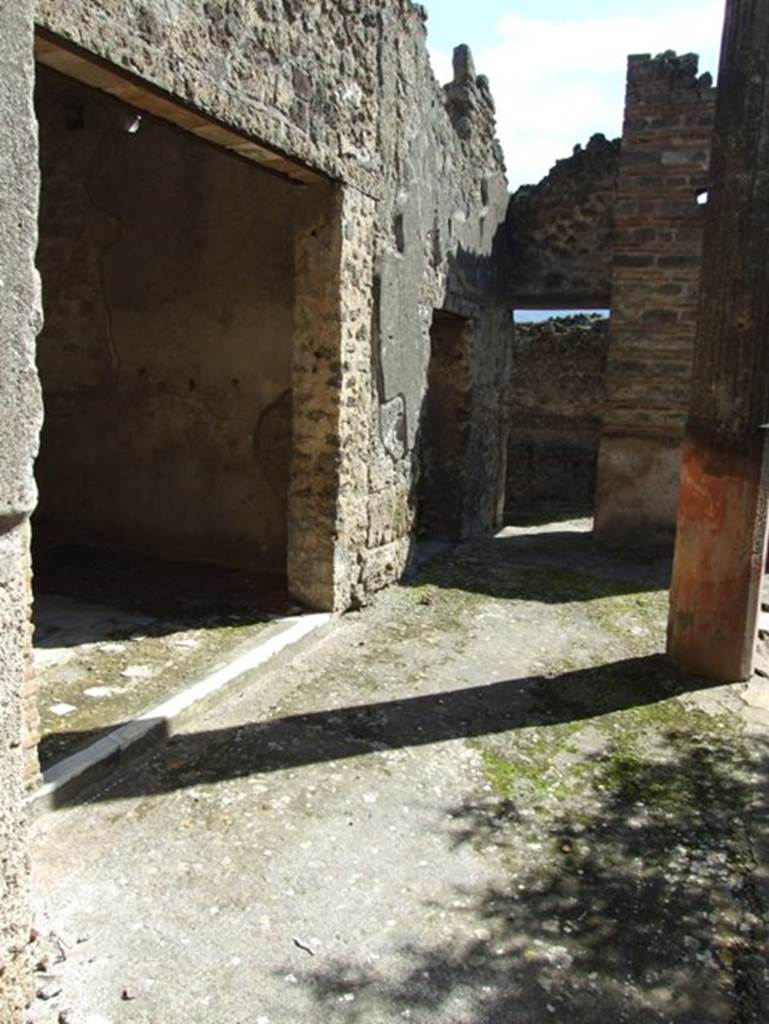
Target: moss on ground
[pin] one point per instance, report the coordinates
(609, 708)
(532, 768)
(620, 609)
(659, 754)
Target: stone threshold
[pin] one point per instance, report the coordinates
(65, 780)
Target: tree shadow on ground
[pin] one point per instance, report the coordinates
(642, 903)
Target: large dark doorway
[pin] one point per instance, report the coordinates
(165, 358)
(167, 268)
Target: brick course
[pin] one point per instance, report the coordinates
(657, 248)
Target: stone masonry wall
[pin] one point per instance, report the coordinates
(346, 87)
(20, 403)
(657, 248)
(555, 408)
(561, 232)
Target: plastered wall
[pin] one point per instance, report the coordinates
(168, 290)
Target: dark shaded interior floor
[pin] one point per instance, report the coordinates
(192, 591)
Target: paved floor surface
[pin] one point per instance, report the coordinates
(485, 798)
(118, 633)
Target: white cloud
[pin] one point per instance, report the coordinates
(441, 63)
(556, 83)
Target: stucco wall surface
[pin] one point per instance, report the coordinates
(19, 401)
(168, 291)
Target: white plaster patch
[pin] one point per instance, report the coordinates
(137, 672)
(99, 691)
(61, 709)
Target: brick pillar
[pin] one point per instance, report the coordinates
(655, 278)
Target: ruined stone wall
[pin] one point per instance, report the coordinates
(561, 232)
(657, 250)
(411, 226)
(19, 401)
(555, 409)
(165, 359)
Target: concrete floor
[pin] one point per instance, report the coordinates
(485, 798)
(89, 686)
(117, 633)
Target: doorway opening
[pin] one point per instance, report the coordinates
(555, 401)
(169, 286)
(444, 432)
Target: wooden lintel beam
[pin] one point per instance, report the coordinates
(128, 88)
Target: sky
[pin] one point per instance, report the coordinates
(557, 67)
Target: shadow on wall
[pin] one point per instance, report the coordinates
(522, 433)
(440, 416)
(444, 432)
(169, 286)
(555, 397)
